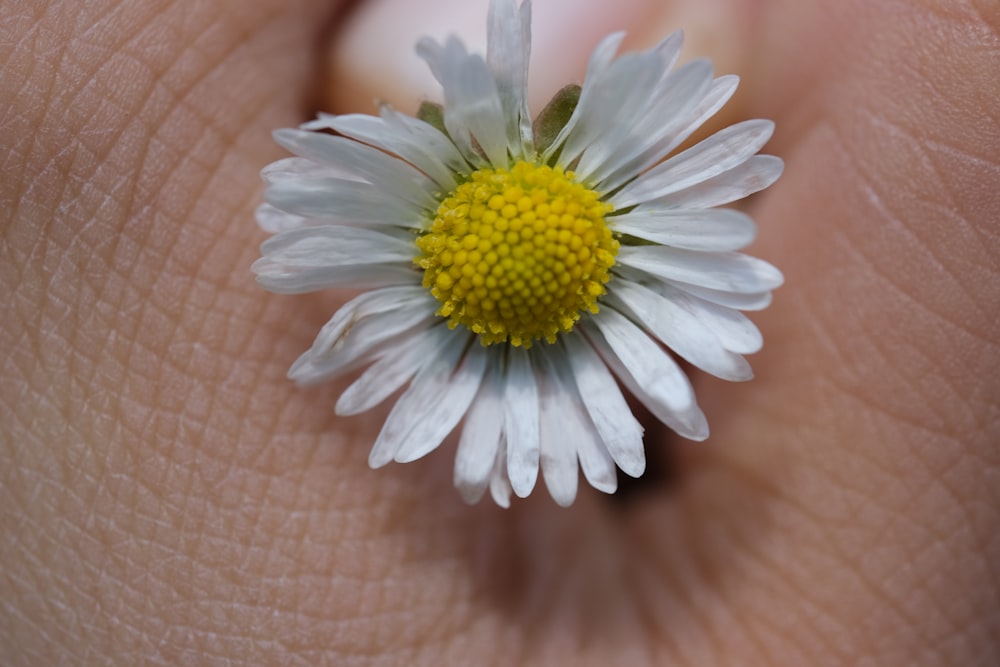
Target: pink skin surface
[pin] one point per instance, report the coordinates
(167, 497)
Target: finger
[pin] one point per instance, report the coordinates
(867, 423)
(870, 419)
(371, 58)
(129, 323)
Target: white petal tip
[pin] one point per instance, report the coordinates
(564, 501)
(500, 493)
(345, 408)
(409, 457)
(605, 486)
(471, 494)
(379, 457)
(691, 425)
(524, 477)
(523, 487)
(299, 370)
(375, 464)
(697, 435)
(632, 468)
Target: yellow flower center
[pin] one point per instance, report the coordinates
(516, 255)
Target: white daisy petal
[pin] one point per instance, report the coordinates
(294, 168)
(672, 101)
(280, 280)
(573, 430)
(620, 431)
(393, 369)
(600, 60)
(341, 201)
(423, 138)
(727, 271)
(413, 140)
(473, 112)
(521, 418)
(642, 110)
(680, 330)
(752, 176)
(721, 152)
(689, 119)
(718, 93)
(644, 359)
(710, 229)
(562, 425)
(434, 403)
(448, 403)
(369, 163)
(360, 330)
(500, 488)
(482, 435)
(597, 464)
(507, 53)
(354, 313)
(745, 301)
(304, 260)
(623, 82)
(734, 329)
(648, 372)
(274, 220)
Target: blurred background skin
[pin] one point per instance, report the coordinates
(167, 497)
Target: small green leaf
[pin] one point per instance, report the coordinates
(432, 114)
(555, 115)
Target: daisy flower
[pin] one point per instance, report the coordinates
(515, 273)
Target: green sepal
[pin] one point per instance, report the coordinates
(432, 114)
(554, 116)
(632, 241)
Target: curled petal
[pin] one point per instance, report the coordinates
(473, 110)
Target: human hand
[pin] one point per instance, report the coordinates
(168, 497)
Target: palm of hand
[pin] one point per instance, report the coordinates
(168, 495)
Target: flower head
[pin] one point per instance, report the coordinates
(514, 269)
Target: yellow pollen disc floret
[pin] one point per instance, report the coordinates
(517, 254)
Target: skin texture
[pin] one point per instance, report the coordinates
(167, 497)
